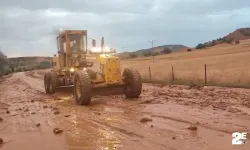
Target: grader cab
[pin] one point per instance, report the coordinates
(88, 69)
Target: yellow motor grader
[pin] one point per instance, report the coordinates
(75, 66)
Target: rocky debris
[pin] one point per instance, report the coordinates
(234, 110)
(1, 119)
(7, 111)
(145, 119)
(192, 127)
(55, 108)
(26, 110)
(1, 141)
(173, 138)
(57, 98)
(57, 131)
(57, 112)
(66, 115)
(146, 101)
(246, 103)
(162, 93)
(38, 125)
(45, 106)
(33, 113)
(152, 126)
(98, 113)
(32, 101)
(116, 97)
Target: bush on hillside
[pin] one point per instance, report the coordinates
(133, 55)
(245, 31)
(237, 42)
(147, 54)
(229, 40)
(200, 46)
(166, 51)
(189, 50)
(3, 64)
(156, 53)
(44, 65)
(18, 69)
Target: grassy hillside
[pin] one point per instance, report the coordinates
(226, 65)
(239, 34)
(29, 63)
(231, 38)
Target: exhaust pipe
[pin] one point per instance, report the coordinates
(102, 44)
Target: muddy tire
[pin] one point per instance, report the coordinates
(82, 88)
(46, 85)
(133, 83)
(52, 82)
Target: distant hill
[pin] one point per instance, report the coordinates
(30, 62)
(141, 52)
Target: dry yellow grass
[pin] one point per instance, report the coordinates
(227, 64)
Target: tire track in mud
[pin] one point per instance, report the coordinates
(124, 131)
(129, 133)
(204, 125)
(197, 124)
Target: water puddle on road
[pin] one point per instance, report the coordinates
(113, 110)
(85, 134)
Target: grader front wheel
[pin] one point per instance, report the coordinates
(133, 83)
(82, 88)
(50, 82)
(46, 85)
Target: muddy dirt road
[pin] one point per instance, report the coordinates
(163, 118)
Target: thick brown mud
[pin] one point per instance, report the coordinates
(159, 119)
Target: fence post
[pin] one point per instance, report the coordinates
(205, 73)
(173, 73)
(149, 71)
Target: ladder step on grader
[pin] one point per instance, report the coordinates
(89, 71)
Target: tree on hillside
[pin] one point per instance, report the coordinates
(147, 54)
(133, 55)
(237, 42)
(200, 46)
(245, 31)
(156, 53)
(166, 50)
(44, 65)
(3, 63)
(228, 40)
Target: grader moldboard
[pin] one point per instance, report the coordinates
(74, 66)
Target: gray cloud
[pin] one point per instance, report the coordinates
(29, 27)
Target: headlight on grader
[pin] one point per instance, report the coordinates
(71, 69)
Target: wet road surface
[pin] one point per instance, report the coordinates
(163, 118)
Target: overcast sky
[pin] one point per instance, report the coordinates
(29, 27)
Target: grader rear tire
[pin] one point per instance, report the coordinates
(133, 83)
(46, 85)
(52, 81)
(82, 88)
